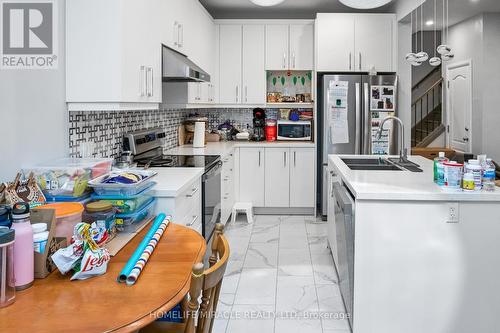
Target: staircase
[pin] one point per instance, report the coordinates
(427, 113)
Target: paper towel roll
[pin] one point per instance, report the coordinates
(199, 134)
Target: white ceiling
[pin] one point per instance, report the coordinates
(459, 10)
(298, 9)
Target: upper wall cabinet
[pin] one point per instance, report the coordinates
(289, 46)
(360, 42)
(113, 60)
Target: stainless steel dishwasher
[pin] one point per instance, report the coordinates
(344, 226)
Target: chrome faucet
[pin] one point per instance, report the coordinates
(403, 152)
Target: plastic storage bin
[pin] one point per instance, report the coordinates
(68, 214)
(132, 222)
(7, 281)
(69, 176)
(102, 188)
(127, 204)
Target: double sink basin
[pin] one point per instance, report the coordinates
(381, 164)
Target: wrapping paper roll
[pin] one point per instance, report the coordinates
(122, 277)
(148, 251)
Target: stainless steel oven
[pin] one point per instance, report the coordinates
(344, 225)
(211, 199)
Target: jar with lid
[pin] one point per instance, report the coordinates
(7, 281)
(103, 213)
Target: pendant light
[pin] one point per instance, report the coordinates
(435, 61)
(416, 61)
(422, 56)
(364, 4)
(411, 57)
(443, 49)
(267, 3)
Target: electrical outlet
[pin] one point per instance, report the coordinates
(453, 213)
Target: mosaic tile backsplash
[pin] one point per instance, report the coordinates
(100, 133)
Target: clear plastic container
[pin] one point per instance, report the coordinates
(489, 175)
(132, 222)
(7, 281)
(68, 214)
(103, 213)
(453, 176)
(69, 176)
(102, 188)
(127, 204)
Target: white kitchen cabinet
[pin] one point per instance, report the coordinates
(277, 173)
(302, 184)
(184, 93)
(253, 62)
(277, 47)
(289, 46)
(355, 42)
(230, 48)
(227, 187)
(301, 46)
(251, 176)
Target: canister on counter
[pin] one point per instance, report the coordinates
(453, 175)
(103, 213)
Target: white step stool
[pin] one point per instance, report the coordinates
(245, 207)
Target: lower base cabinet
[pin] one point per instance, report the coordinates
(277, 177)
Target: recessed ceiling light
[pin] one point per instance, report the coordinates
(364, 4)
(267, 3)
(430, 22)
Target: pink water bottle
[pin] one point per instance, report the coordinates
(24, 254)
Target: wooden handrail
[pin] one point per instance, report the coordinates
(428, 90)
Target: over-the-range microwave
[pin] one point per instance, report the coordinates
(295, 130)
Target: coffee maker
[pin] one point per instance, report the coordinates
(259, 124)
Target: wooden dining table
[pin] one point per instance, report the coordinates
(101, 304)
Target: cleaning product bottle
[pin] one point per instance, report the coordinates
(439, 168)
(24, 256)
(489, 175)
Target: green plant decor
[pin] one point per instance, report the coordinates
(283, 80)
(295, 80)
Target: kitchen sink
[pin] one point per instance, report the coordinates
(381, 164)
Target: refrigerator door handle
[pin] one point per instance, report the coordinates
(357, 143)
(367, 137)
(330, 134)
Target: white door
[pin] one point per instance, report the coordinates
(335, 39)
(302, 177)
(230, 46)
(254, 73)
(460, 106)
(251, 179)
(301, 46)
(374, 42)
(277, 46)
(277, 177)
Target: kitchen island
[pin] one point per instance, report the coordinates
(411, 256)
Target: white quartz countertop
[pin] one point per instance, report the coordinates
(223, 148)
(401, 185)
(170, 182)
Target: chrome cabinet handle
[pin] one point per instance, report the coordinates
(284, 158)
(359, 60)
(246, 93)
(293, 60)
(176, 32)
(284, 60)
(181, 33)
(142, 81)
(294, 158)
(237, 94)
(193, 191)
(350, 61)
(193, 221)
(259, 157)
(149, 81)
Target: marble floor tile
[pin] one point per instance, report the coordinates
(324, 269)
(251, 318)
(318, 244)
(267, 233)
(223, 313)
(238, 247)
(296, 294)
(239, 230)
(262, 255)
(257, 286)
(283, 325)
(330, 302)
(293, 240)
(317, 228)
(294, 262)
(231, 276)
(311, 218)
(288, 219)
(267, 220)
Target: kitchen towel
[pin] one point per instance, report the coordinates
(199, 134)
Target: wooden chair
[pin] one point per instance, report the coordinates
(199, 318)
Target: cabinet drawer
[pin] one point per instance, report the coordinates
(188, 199)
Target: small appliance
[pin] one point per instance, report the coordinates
(289, 130)
(259, 124)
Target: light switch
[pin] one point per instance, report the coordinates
(453, 213)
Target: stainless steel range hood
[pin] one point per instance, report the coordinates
(178, 68)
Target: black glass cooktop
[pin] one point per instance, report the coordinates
(178, 161)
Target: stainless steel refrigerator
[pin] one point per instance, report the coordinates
(350, 108)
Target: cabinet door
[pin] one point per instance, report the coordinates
(254, 74)
(230, 45)
(302, 177)
(277, 177)
(374, 42)
(301, 46)
(277, 47)
(335, 42)
(251, 179)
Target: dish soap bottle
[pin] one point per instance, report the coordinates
(24, 254)
(439, 168)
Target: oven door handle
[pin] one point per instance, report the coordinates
(193, 192)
